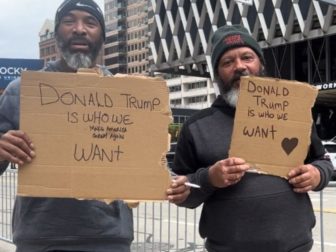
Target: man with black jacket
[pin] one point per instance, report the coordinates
(242, 211)
(51, 224)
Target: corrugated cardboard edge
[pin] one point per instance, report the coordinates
(167, 111)
(254, 166)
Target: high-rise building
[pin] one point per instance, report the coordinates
(297, 38)
(47, 44)
(128, 25)
(129, 29)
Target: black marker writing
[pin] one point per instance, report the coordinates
(135, 103)
(263, 103)
(95, 152)
(259, 132)
(267, 90)
(50, 95)
(98, 117)
(73, 117)
(266, 114)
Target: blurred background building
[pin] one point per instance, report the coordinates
(171, 38)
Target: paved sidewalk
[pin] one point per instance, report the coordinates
(6, 246)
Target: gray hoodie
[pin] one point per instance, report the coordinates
(46, 224)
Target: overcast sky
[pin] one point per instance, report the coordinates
(20, 24)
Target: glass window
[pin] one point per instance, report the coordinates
(278, 61)
(301, 61)
(332, 54)
(318, 62)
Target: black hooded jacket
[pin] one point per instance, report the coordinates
(261, 213)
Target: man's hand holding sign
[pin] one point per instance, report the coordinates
(272, 129)
(109, 135)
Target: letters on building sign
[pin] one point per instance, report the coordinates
(331, 85)
(12, 70)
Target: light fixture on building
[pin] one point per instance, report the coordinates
(247, 2)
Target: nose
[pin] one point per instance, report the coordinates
(79, 28)
(239, 65)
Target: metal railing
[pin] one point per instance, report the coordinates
(7, 194)
(331, 184)
(158, 226)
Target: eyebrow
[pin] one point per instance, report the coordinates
(87, 16)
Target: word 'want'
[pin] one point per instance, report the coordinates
(259, 132)
(95, 152)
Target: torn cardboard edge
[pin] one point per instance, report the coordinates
(268, 119)
(151, 146)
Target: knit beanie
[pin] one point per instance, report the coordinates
(84, 5)
(228, 37)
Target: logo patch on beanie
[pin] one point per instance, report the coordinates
(233, 40)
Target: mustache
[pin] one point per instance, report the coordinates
(79, 40)
(239, 74)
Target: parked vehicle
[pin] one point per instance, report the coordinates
(330, 146)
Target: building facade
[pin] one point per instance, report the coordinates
(190, 92)
(297, 38)
(47, 44)
(128, 25)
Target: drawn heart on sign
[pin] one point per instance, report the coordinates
(288, 145)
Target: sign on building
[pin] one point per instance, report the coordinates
(326, 86)
(10, 69)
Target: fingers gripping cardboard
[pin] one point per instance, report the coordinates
(96, 137)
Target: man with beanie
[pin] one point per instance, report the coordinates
(53, 224)
(242, 211)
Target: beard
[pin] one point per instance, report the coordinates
(76, 60)
(230, 89)
(231, 96)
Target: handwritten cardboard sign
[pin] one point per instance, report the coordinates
(95, 137)
(273, 123)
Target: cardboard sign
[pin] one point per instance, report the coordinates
(95, 137)
(273, 124)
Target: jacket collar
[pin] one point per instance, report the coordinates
(222, 105)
